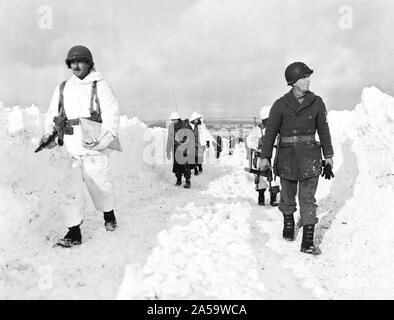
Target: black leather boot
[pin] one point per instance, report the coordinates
(110, 221)
(196, 171)
(273, 193)
(72, 238)
(307, 245)
(261, 200)
(288, 227)
(188, 184)
(178, 180)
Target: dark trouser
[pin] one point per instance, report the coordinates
(180, 169)
(198, 160)
(306, 197)
(261, 196)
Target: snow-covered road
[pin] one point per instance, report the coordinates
(213, 246)
(211, 241)
(206, 242)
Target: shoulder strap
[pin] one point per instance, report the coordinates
(61, 98)
(94, 98)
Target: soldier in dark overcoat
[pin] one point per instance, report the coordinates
(296, 117)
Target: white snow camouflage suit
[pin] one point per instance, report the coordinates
(252, 141)
(93, 165)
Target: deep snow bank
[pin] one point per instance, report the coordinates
(359, 260)
(31, 183)
(202, 258)
(354, 232)
(355, 212)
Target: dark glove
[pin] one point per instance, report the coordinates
(327, 172)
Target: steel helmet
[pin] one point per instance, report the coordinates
(296, 71)
(174, 116)
(80, 53)
(265, 112)
(195, 116)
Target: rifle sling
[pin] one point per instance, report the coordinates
(93, 98)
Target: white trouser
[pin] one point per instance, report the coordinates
(264, 184)
(97, 179)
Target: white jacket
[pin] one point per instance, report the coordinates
(76, 95)
(204, 134)
(252, 141)
(253, 137)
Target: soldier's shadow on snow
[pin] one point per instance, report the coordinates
(341, 190)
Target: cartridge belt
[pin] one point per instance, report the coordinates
(73, 122)
(296, 139)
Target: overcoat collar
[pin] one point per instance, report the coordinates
(292, 100)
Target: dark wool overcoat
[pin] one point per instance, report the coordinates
(288, 118)
(180, 141)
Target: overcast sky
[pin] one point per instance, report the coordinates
(222, 58)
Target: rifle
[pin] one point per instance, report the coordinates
(254, 156)
(61, 128)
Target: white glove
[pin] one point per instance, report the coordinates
(264, 164)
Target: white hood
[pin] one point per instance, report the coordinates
(194, 116)
(265, 112)
(253, 137)
(174, 115)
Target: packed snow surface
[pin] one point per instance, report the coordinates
(208, 242)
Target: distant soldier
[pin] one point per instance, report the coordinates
(86, 95)
(218, 146)
(254, 140)
(179, 143)
(296, 117)
(231, 144)
(200, 145)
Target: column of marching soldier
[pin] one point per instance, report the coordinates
(83, 115)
